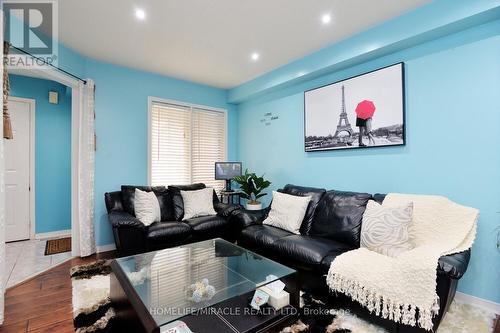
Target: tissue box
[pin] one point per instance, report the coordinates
(276, 300)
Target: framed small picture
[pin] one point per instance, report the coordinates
(364, 111)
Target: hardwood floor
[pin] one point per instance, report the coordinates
(43, 303)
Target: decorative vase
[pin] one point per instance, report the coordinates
(254, 206)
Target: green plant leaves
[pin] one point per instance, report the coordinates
(252, 185)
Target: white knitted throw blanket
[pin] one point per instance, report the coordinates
(394, 288)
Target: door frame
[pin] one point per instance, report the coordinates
(32, 196)
(54, 75)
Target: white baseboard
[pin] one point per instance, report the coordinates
(479, 302)
(53, 234)
(106, 248)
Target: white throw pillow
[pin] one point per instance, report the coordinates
(385, 229)
(198, 203)
(147, 207)
(287, 211)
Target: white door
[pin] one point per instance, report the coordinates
(17, 172)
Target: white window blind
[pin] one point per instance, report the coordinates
(185, 144)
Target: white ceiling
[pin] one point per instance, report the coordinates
(210, 41)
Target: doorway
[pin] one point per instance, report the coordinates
(37, 176)
(19, 172)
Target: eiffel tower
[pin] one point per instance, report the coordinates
(343, 125)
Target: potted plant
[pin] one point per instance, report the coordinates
(251, 187)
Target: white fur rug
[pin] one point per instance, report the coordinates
(465, 318)
(460, 318)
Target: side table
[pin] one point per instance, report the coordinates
(230, 197)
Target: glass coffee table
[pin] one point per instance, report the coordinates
(207, 285)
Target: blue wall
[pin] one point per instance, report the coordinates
(52, 151)
(453, 141)
(122, 123)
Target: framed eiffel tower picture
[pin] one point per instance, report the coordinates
(364, 111)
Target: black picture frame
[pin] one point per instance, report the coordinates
(395, 133)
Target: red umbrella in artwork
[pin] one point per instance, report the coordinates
(365, 109)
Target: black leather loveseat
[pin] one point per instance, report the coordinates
(132, 236)
(332, 226)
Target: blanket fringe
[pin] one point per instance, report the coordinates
(383, 306)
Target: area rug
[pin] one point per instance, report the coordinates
(55, 246)
(92, 311)
(316, 317)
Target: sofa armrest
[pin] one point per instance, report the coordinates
(113, 201)
(124, 219)
(454, 265)
(224, 209)
(129, 233)
(245, 218)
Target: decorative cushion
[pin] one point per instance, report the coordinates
(385, 229)
(198, 203)
(287, 211)
(128, 195)
(315, 193)
(178, 205)
(146, 206)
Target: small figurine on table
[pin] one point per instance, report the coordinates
(201, 291)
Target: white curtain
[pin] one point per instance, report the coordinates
(86, 155)
(3, 277)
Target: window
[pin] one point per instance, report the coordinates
(185, 143)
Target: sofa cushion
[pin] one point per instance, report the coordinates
(160, 233)
(177, 202)
(315, 194)
(207, 224)
(338, 216)
(328, 259)
(163, 195)
(305, 252)
(261, 237)
(379, 197)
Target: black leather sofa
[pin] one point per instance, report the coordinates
(132, 236)
(332, 226)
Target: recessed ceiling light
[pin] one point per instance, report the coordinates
(255, 56)
(140, 14)
(326, 18)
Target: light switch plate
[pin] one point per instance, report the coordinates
(53, 97)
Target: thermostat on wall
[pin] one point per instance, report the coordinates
(53, 97)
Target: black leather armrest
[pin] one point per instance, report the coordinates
(124, 219)
(454, 265)
(224, 209)
(113, 201)
(129, 233)
(245, 218)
